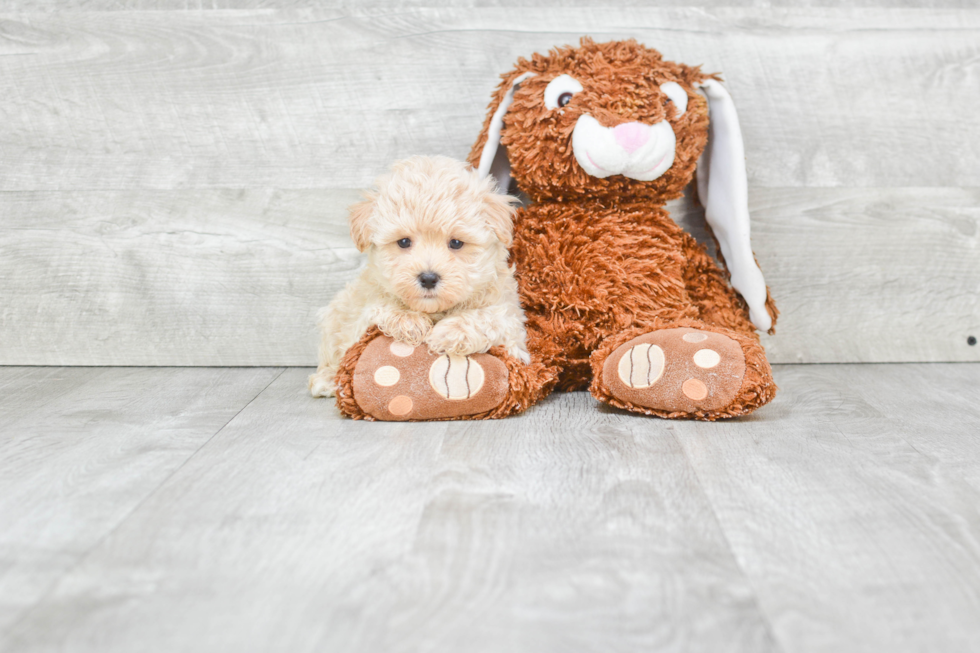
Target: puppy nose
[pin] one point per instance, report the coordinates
(631, 136)
(428, 280)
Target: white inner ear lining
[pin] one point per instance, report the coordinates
(723, 190)
(497, 124)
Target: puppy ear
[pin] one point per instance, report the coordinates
(723, 191)
(360, 222)
(488, 156)
(498, 210)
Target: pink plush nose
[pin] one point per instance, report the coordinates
(631, 136)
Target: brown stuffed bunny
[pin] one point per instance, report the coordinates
(618, 298)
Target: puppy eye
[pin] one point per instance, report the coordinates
(455, 244)
(405, 243)
(675, 93)
(560, 90)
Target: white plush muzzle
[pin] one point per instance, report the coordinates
(633, 149)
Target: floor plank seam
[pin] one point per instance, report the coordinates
(96, 545)
(714, 515)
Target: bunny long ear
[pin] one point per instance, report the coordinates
(723, 191)
(493, 158)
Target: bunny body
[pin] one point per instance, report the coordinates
(628, 267)
(617, 297)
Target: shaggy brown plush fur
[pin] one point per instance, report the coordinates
(599, 261)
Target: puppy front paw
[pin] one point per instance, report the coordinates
(409, 327)
(323, 383)
(520, 353)
(457, 336)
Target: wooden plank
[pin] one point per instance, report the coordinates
(570, 528)
(950, 444)
(847, 507)
(74, 468)
(25, 390)
(170, 278)
(871, 276)
(211, 277)
(347, 5)
(312, 98)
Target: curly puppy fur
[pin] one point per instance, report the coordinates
(599, 260)
(429, 216)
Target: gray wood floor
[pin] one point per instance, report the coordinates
(206, 509)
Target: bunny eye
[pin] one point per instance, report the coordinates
(675, 93)
(560, 90)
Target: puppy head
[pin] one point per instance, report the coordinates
(435, 233)
(600, 120)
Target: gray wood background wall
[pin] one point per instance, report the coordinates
(174, 175)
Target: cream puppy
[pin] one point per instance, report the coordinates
(436, 239)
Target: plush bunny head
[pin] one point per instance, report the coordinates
(600, 120)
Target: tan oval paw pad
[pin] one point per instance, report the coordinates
(387, 375)
(642, 366)
(707, 358)
(400, 405)
(401, 349)
(456, 377)
(694, 389)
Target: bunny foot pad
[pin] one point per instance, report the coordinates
(676, 370)
(394, 381)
